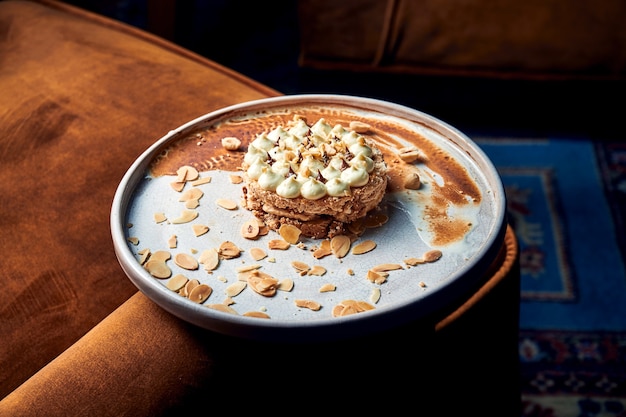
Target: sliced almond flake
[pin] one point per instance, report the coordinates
(340, 245)
(278, 244)
(422, 284)
(200, 293)
(223, 308)
(158, 268)
(199, 229)
(190, 285)
(226, 203)
(285, 284)
(432, 255)
(235, 289)
(364, 247)
(323, 250)
(413, 261)
(192, 204)
(262, 283)
(387, 267)
(185, 217)
(186, 261)
(247, 268)
(191, 194)
(145, 254)
(317, 270)
(375, 295)
(328, 288)
(177, 282)
(200, 181)
(377, 277)
(210, 259)
(300, 267)
(290, 233)
(228, 301)
(159, 217)
(258, 254)
(133, 240)
(236, 179)
(177, 186)
(161, 255)
(186, 173)
(257, 314)
(310, 304)
(250, 229)
(228, 250)
(359, 127)
(172, 242)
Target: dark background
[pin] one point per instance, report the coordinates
(260, 40)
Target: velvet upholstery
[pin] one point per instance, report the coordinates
(81, 97)
(533, 39)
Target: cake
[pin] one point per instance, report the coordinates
(318, 177)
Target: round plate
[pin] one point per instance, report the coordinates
(459, 210)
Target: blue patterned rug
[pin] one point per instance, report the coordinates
(566, 201)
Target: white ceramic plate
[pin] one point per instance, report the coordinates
(459, 210)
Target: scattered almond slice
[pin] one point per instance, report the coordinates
(262, 283)
(377, 277)
(172, 242)
(236, 179)
(250, 229)
(228, 250)
(340, 245)
(285, 284)
(323, 250)
(185, 217)
(310, 304)
(364, 247)
(256, 314)
(290, 233)
(432, 255)
(359, 127)
(161, 255)
(133, 240)
(223, 308)
(177, 282)
(247, 268)
(317, 270)
(191, 194)
(375, 295)
(300, 267)
(144, 255)
(414, 261)
(199, 229)
(159, 217)
(210, 259)
(177, 186)
(278, 244)
(201, 181)
(348, 307)
(186, 261)
(158, 268)
(200, 293)
(226, 203)
(328, 288)
(235, 289)
(186, 173)
(386, 267)
(258, 254)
